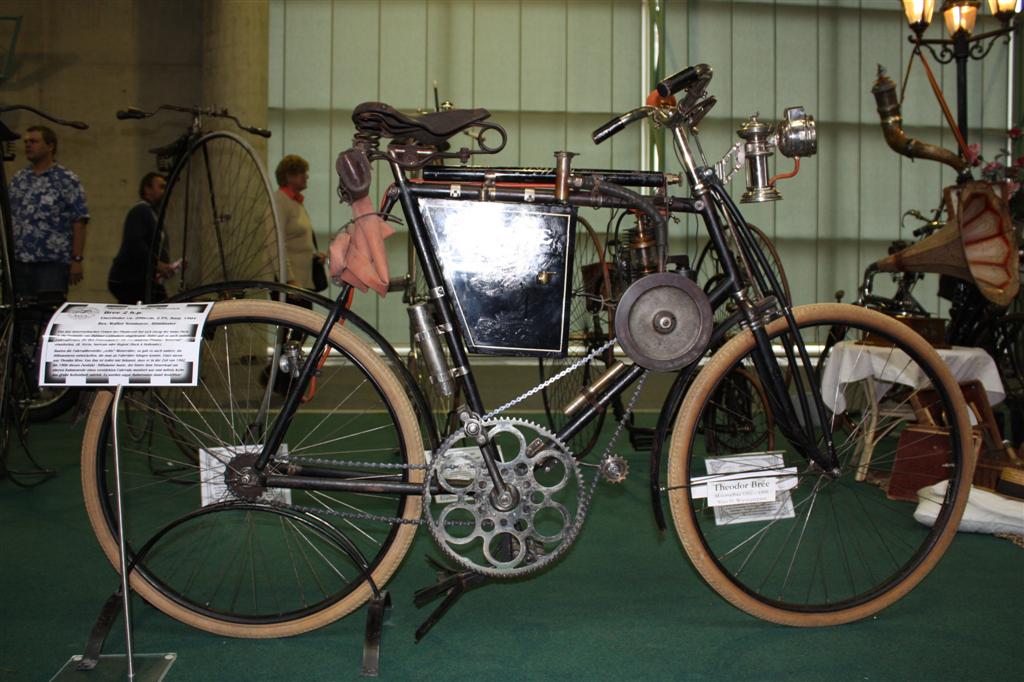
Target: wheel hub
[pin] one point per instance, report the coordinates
(241, 477)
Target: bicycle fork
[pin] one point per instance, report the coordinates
(796, 418)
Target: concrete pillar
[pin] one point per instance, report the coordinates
(234, 62)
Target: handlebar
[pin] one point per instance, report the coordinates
(195, 111)
(80, 125)
(692, 79)
(619, 122)
(685, 79)
(130, 112)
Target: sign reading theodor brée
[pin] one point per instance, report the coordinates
(96, 344)
(746, 488)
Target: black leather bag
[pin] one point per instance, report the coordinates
(319, 274)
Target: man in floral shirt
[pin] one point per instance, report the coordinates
(49, 216)
(48, 213)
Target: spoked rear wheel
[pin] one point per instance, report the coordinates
(217, 220)
(833, 546)
(225, 553)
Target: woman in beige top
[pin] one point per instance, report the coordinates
(292, 177)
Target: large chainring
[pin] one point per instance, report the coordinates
(522, 533)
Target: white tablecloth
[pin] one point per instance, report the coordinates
(850, 362)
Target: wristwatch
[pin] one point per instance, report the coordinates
(77, 259)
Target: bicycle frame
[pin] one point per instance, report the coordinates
(709, 200)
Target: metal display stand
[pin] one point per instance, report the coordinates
(154, 667)
(89, 344)
(141, 668)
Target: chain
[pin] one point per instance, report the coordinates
(359, 465)
(364, 516)
(587, 496)
(626, 413)
(541, 386)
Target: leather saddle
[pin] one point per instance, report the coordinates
(377, 118)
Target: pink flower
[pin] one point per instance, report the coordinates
(1011, 188)
(992, 167)
(973, 153)
(1014, 132)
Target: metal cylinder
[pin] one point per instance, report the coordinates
(563, 164)
(594, 389)
(425, 333)
(643, 249)
(757, 147)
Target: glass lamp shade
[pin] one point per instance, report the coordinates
(960, 15)
(919, 13)
(1003, 9)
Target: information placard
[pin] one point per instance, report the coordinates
(99, 344)
(748, 487)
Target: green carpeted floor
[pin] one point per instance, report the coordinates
(624, 604)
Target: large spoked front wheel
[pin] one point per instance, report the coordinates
(218, 221)
(828, 547)
(226, 553)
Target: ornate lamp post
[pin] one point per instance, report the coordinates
(960, 17)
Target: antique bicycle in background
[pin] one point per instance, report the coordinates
(251, 514)
(22, 400)
(217, 220)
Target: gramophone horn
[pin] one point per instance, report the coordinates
(978, 244)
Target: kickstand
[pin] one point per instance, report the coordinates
(374, 629)
(100, 630)
(451, 583)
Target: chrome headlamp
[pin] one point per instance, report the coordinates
(795, 136)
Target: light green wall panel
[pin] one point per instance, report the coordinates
(589, 49)
(542, 56)
(540, 136)
(550, 71)
(449, 59)
(625, 56)
(356, 46)
(403, 54)
(307, 55)
(496, 81)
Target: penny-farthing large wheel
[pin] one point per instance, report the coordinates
(218, 221)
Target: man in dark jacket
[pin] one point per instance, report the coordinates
(132, 265)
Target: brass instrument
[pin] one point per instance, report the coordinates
(889, 112)
(978, 244)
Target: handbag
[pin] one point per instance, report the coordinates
(319, 274)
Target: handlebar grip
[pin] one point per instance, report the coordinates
(262, 132)
(130, 112)
(684, 79)
(618, 123)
